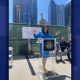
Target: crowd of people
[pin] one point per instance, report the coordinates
(63, 46)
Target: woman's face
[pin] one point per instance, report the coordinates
(45, 29)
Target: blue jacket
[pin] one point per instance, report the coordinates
(44, 35)
(44, 54)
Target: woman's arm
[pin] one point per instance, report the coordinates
(36, 35)
(54, 35)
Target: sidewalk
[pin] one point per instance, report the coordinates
(21, 69)
(51, 65)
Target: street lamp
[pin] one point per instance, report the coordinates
(29, 41)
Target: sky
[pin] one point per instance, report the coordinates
(42, 8)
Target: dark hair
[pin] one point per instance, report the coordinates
(43, 29)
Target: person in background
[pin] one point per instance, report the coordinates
(66, 47)
(44, 54)
(69, 49)
(63, 45)
(58, 50)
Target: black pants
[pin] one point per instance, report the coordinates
(68, 55)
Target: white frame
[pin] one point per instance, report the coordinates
(54, 44)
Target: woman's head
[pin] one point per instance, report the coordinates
(45, 29)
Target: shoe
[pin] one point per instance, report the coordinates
(45, 76)
(57, 61)
(62, 61)
(49, 73)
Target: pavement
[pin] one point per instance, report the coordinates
(31, 69)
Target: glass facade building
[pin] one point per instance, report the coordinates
(52, 13)
(25, 11)
(60, 11)
(67, 13)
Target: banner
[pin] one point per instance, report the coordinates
(27, 32)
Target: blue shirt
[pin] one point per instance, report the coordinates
(44, 35)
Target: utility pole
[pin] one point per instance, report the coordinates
(29, 41)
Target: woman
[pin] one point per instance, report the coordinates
(44, 35)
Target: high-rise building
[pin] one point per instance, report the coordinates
(60, 11)
(67, 13)
(25, 11)
(52, 13)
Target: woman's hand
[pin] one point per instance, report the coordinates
(34, 31)
(57, 33)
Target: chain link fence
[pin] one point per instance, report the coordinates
(20, 45)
